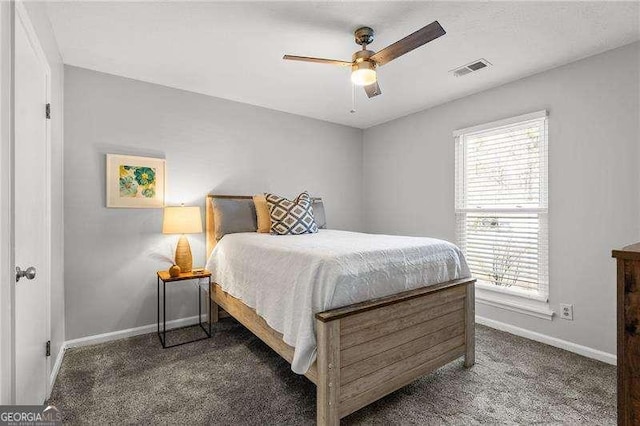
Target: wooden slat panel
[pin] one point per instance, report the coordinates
(328, 362)
(258, 326)
(395, 325)
(470, 327)
(384, 343)
(354, 401)
(374, 304)
(381, 376)
(411, 306)
(381, 360)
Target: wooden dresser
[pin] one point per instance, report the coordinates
(628, 334)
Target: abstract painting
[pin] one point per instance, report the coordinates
(135, 182)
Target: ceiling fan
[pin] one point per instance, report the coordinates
(364, 62)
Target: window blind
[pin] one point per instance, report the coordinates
(502, 202)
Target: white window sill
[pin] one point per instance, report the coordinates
(522, 302)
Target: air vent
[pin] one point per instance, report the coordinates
(471, 67)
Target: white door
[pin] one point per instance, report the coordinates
(31, 76)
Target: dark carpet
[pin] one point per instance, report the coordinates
(234, 378)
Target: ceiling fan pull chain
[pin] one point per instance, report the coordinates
(353, 99)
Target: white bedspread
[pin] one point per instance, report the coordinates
(287, 279)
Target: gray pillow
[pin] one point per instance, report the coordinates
(318, 214)
(231, 216)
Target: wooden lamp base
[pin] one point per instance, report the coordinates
(183, 255)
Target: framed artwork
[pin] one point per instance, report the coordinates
(135, 182)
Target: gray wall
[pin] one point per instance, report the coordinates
(594, 189)
(211, 145)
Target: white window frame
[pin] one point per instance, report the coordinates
(534, 303)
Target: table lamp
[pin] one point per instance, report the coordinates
(182, 220)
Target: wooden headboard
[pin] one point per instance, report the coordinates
(210, 222)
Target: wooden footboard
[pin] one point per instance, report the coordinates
(368, 350)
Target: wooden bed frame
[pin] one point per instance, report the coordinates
(370, 349)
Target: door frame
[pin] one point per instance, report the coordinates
(20, 16)
(6, 202)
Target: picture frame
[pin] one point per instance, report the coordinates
(135, 182)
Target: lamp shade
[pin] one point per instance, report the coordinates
(182, 220)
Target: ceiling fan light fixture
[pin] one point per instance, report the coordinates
(363, 73)
(363, 77)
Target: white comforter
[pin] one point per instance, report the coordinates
(287, 279)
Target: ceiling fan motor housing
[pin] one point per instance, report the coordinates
(361, 60)
(362, 56)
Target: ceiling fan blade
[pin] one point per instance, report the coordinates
(317, 60)
(373, 90)
(410, 42)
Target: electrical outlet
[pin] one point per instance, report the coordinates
(566, 311)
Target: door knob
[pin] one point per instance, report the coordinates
(29, 273)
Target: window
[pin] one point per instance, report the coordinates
(501, 204)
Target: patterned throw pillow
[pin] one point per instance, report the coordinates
(291, 217)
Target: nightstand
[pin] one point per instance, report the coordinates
(166, 278)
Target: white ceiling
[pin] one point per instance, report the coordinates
(233, 50)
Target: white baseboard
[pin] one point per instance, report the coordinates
(56, 369)
(552, 341)
(129, 332)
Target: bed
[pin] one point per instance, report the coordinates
(329, 315)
